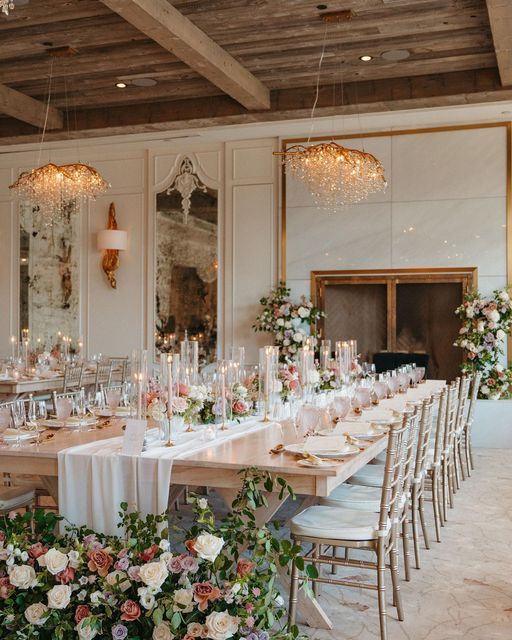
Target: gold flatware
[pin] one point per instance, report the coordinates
(277, 449)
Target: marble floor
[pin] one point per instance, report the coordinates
(464, 588)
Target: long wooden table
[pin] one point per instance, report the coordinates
(217, 466)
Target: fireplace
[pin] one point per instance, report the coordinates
(396, 311)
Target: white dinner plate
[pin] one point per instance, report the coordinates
(346, 450)
(320, 465)
(11, 435)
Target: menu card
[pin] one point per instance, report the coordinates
(133, 440)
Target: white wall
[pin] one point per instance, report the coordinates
(445, 185)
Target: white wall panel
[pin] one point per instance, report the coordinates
(8, 266)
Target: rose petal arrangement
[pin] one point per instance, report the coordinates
(215, 580)
(486, 322)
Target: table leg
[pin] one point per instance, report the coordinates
(310, 610)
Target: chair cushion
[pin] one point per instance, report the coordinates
(371, 476)
(352, 496)
(333, 523)
(14, 497)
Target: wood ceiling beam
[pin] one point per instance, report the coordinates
(419, 92)
(164, 24)
(500, 17)
(24, 108)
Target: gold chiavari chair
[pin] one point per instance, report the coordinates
(434, 474)
(460, 423)
(73, 374)
(71, 395)
(418, 479)
(468, 448)
(327, 526)
(103, 375)
(120, 365)
(447, 460)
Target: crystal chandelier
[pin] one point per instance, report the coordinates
(6, 6)
(335, 175)
(87, 182)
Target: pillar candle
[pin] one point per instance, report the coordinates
(169, 386)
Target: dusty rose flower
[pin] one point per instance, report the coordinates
(130, 611)
(174, 564)
(183, 390)
(66, 576)
(134, 573)
(5, 588)
(205, 592)
(239, 407)
(82, 611)
(99, 561)
(189, 564)
(2, 537)
(37, 550)
(244, 567)
(150, 553)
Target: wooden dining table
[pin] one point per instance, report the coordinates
(217, 466)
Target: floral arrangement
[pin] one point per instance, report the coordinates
(142, 586)
(288, 376)
(327, 380)
(486, 321)
(289, 322)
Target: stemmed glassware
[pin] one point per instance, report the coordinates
(80, 408)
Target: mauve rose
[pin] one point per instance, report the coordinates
(122, 564)
(174, 564)
(99, 561)
(189, 564)
(2, 536)
(5, 588)
(203, 593)
(239, 407)
(37, 550)
(244, 567)
(130, 611)
(82, 611)
(150, 553)
(66, 576)
(187, 636)
(183, 390)
(134, 573)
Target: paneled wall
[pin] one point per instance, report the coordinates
(445, 206)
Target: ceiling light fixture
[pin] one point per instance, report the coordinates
(366, 58)
(121, 85)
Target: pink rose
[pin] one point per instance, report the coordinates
(36, 550)
(205, 592)
(189, 564)
(5, 588)
(239, 407)
(134, 573)
(183, 390)
(130, 611)
(82, 611)
(66, 576)
(148, 554)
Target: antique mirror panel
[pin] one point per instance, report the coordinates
(187, 262)
(49, 277)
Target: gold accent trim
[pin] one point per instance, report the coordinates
(110, 261)
(403, 132)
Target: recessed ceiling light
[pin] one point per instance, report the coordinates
(395, 54)
(121, 85)
(366, 58)
(144, 82)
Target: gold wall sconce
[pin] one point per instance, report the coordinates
(111, 241)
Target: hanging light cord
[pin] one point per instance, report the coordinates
(47, 110)
(317, 85)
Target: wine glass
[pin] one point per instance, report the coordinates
(5, 421)
(341, 407)
(18, 419)
(80, 408)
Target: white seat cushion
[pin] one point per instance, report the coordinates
(14, 497)
(332, 523)
(371, 476)
(352, 496)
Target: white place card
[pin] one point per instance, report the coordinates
(133, 439)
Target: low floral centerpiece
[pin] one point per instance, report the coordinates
(214, 581)
(289, 322)
(486, 322)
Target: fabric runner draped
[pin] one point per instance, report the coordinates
(94, 479)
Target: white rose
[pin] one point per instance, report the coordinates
(164, 544)
(147, 599)
(499, 367)
(469, 312)
(494, 316)
(55, 561)
(484, 389)
(202, 503)
(97, 598)
(154, 574)
(500, 334)
(288, 324)
(303, 312)
(85, 631)
(480, 327)
(36, 613)
(22, 576)
(183, 597)
(464, 343)
(280, 322)
(298, 336)
(220, 625)
(286, 342)
(195, 629)
(208, 546)
(503, 295)
(74, 559)
(162, 631)
(59, 596)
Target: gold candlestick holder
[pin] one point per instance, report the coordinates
(169, 442)
(265, 412)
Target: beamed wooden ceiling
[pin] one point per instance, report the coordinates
(233, 61)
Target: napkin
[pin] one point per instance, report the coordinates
(324, 444)
(357, 428)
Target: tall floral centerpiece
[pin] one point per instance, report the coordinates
(486, 322)
(290, 322)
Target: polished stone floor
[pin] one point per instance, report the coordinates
(464, 588)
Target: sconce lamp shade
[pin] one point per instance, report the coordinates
(113, 239)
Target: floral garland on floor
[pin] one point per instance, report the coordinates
(86, 585)
(287, 320)
(486, 322)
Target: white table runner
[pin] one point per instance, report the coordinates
(94, 479)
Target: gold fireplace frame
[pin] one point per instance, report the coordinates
(378, 134)
(466, 276)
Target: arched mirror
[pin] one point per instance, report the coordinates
(187, 262)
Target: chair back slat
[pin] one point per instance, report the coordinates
(423, 440)
(464, 385)
(73, 374)
(474, 394)
(440, 427)
(103, 375)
